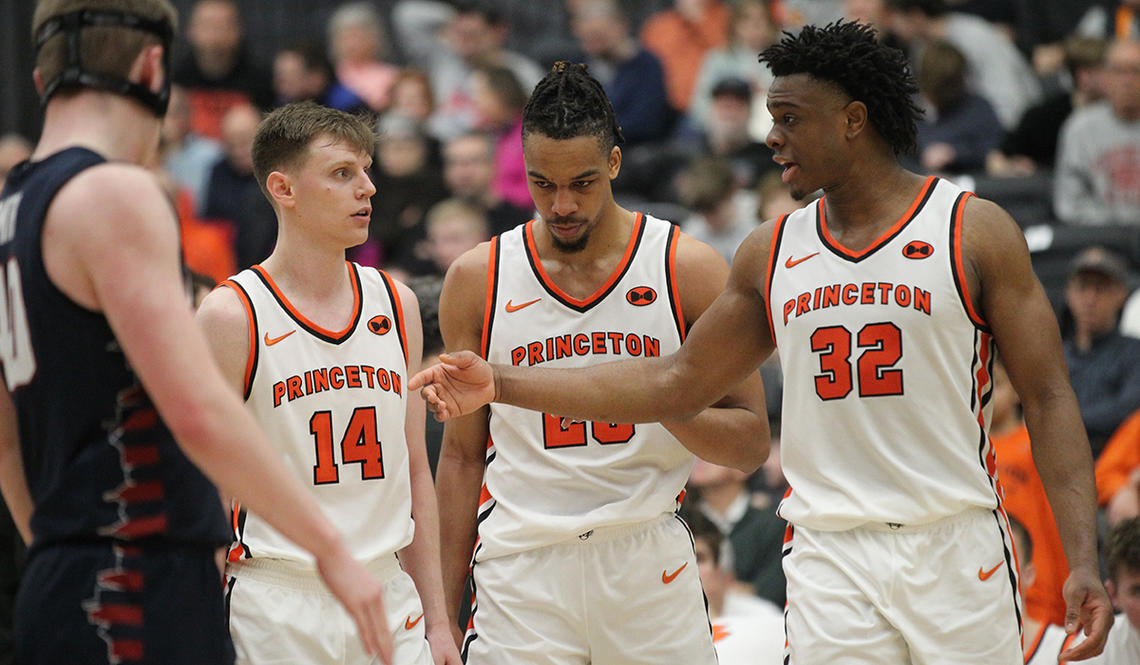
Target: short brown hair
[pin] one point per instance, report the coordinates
(102, 50)
(1123, 551)
(283, 138)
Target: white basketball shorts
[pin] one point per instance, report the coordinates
(623, 595)
(937, 594)
(282, 613)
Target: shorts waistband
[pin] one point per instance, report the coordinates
(301, 576)
(604, 534)
(949, 520)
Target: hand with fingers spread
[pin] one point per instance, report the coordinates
(1088, 610)
(459, 384)
(362, 596)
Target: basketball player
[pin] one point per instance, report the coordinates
(111, 390)
(321, 350)
(886, 300)
(562, 509)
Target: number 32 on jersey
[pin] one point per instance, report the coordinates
(879, 347)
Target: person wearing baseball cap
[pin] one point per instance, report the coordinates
(1104, 365)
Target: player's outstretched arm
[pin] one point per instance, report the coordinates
(459, 475)
(421, 557)
(726, 345)
(129, 270)
(1015, 307)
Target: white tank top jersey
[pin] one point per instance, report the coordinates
(887, 370)
(546, 484)
(333, 404)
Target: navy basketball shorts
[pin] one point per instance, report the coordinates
(121, 603)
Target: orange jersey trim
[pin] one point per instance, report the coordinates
(399, 312)
(251, 360)
(674, 287)
(959, 264)
(773, 250)
(886, 236)
(302, 319)
(619, 270)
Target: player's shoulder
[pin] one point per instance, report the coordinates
(118, 199)
(471, 264)
(224, 309)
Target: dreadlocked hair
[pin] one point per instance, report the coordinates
(848, 55)
(567, 103)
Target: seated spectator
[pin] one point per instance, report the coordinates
(1026, 501)
(303, 73)
(997, 70)
(1103, 364)
(728, 135)
(680, 37)
(412, 97)
(1097, 178)
(453, 227)
(407, 186)
(217, 72)
(1118, 472)
(449, 40)
(709, 190)
(632, 77)
(232, 194)
(1041, 641)
(186, 156)
(751, 29)
(721, 494)
(13, 150)
(499, 100)
(1032, 145)
(960, 128)
(357, 48)
(746, 630)
(469, 172)
(1123, 585)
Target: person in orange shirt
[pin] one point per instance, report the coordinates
(1025, 500)
(680, 37)
(1118, 472)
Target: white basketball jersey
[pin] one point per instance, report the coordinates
(545, 483)
(333, 404)
(886, 370)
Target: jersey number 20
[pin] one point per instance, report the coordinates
(881, 345)
(359, 445)
(554, 435)
(15, 340)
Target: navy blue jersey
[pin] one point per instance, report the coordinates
(99, 461)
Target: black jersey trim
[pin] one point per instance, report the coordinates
(671, 282)
(254, 332)
(397, 312)
(958, 265)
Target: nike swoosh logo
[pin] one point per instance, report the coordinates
(792, 263)
(669, 577)
(270, 341)
(514, 308)
(409, 624)
(984, 575)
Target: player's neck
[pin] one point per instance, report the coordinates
(876, 195)
(113, 126)
(308, 270)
